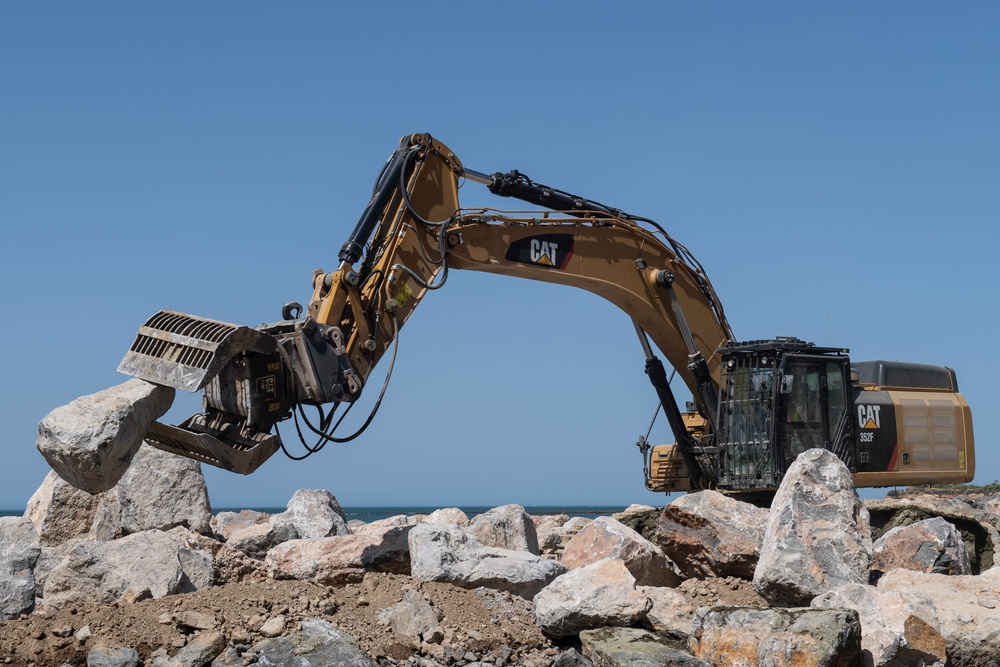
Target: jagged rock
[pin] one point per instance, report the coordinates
(506, 527)
(596, 595)
(548, 529)
(256, 540)
(413, 617)
(671, 615)
(314, 513)
(341, 559)
(978, 527)
(161, 490)
(632, 647)
(605, 537)
(20, 550)
(195, 620)
(200, 651)
(227, 564)
(967, 609)
(896, 629)
(318, 644)
(445, 552)
(224, 523)
(144, 564)
(230, 657)
(60, 511)
(571, 658)
(641, 518)
(932, 545)
(91, 441)
(448, 515)
(772, 637)
(817, 536)
(113, 657)
(708, 534)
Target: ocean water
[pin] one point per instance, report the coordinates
(369, 514)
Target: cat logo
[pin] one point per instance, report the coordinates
(543, 252)
(868, 416)
(552, 251)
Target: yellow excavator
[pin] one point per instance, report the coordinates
(757, 404)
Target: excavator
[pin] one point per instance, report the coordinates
(756, 404)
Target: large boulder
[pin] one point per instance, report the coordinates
(341, 559)
(549, 529)
(91, 441)
(632, 647)
(317, 644)
(506, 527)
(448, 515)
(967, 610)
(146, 564)
(670, 613)
(446, 553)
(224, 523)
(314, 513)
(817, 536)
(597, 595)
(896, 629)
(977, 526)
(932, 545)
(161, 490)
(256, 540)
(606, 537)
(412, 617)
(19, 553)
(60, 511)
(708, 534)
(731, 636)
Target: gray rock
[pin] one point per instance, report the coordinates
(413, 617)
(549, 529)
(162, 490)
(671, 615)
(777, 637)
(20, 550)
(256, 540)
(506, 527)
(113, 657)
(597, 595)
(967, 610)
(91, 441)
(145, 564)
(201, 650)
(608, 538)
(60, 511)
(708, 534)
(817, 536)
(230, 657)
(446, 553)
(978, 527)
(317, 644)
(896, 629)
(197, 568)
(571, 658)
(632, 647)
(314, 513)
(932, 545)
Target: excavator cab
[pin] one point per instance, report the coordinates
(779, 398)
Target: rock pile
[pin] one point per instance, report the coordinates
(142, 573)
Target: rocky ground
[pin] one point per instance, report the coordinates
(140, 572)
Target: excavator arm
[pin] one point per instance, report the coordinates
(411, 234)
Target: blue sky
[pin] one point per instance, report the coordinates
(833, 167)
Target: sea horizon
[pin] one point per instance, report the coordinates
(375, 513)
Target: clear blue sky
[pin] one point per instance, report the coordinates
(835, 168)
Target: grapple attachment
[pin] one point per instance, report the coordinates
(186, 352)
(189, 439)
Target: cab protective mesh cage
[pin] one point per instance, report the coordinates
(746, 429)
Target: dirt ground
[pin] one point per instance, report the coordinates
(482, 624)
